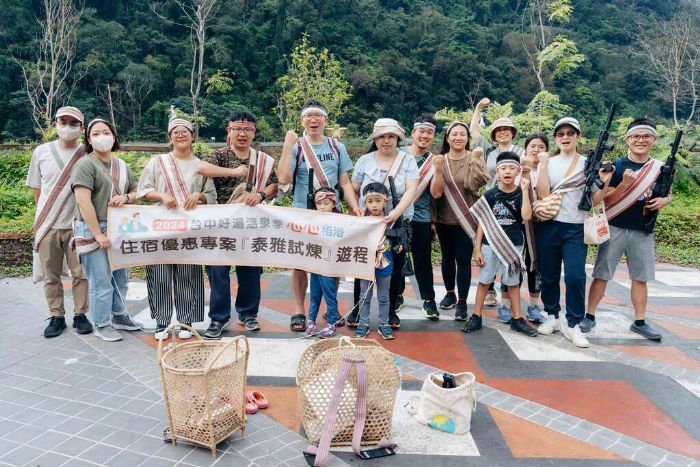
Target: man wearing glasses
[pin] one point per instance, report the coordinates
(234, 169)
(332, 164)
(633, 178)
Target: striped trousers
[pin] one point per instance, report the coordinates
(187, 283)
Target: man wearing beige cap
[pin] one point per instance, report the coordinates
(49, 177)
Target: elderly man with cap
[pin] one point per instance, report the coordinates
(503, 132)
(330, 163)
(633, 179)
(172, 180)
(385, 160)
(49, 177)
(562, 235)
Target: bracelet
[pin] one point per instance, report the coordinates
(262, 195)
(126, 197)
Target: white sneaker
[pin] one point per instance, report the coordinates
(575, 336)
(108, 333)
(161, 334)
(550, 325)
(184, 334)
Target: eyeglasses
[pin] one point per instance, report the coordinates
(645, 137)
(245, 131)
(180, 133)
(561, 134)
(313, 116)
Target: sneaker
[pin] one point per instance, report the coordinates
(473, 324)
(461, 313)
(399, 303)
(646, 331)
(534, 314)
(504, 314)
(327, 332)
(520, 325)
(386, 332)
(448, 302)
(108, 333)
(311, 328)
(183, 333)
(215, 329)
(125, 323)
(586, 324)
(353, 318)
(491, 299)
(56, 326)
(430, 310)
(550, 325)
(394, 320)
(362, 330)
(575, 336)
(250, 324)
(161, 334)
(82, 324)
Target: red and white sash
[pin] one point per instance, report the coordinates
(497, 238)
(120, 185)
(320, 179)
(174, 180)
(425, 175)
(646, 176)
(458, 204)
(57, 199)
(263, 164)
(530, 232)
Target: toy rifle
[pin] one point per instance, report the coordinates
(662, 186)
(593, 162)
(400, 232)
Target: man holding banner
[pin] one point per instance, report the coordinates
(244, 175)
(633, 179)
(49, 177)
(330, 163)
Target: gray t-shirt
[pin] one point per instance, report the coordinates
(492, 151)
(367, 171)
(92, 173)
(421, 208)
(330, 164)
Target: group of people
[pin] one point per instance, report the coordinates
(490, 200)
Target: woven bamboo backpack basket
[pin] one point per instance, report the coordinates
(204, 388)
(316, 376)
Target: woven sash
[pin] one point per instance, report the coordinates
(425, 175)
(498, 240)
(259, 171)
(320, 179)
(57, 199)
(646, 176)
(173, 177)
(458, 204)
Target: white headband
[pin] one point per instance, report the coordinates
(643, 129)
(508, 162)
(314, 109)
(424, 124)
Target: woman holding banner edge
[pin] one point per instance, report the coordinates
(171, 180)
(99, 181)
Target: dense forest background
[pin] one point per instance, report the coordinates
(401, 57)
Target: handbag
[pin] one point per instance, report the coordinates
(595, 227)
(547, 208)
(447, 409)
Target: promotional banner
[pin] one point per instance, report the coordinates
(235, 234)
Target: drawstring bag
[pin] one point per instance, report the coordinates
(446, 409)
(595, 227)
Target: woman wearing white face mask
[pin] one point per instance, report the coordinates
(101, 180)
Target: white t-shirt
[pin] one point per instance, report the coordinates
(43, 174)
(569, 211)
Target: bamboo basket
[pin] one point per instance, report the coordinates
(204, 388)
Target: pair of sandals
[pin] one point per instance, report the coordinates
(298, 322)
(254, 401)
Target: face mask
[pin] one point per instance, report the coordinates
(67, 132)
(102, 143)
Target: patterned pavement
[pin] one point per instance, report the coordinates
(76, 400)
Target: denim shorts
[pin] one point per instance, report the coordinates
(492, 266)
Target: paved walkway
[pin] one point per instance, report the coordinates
(76, 400)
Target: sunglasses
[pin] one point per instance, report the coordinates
(561, 134)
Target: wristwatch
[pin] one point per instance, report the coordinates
(262, 195)
(126, 197)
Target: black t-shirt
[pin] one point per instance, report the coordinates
(632, 217)
(506, 207)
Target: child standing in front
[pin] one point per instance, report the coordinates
(322, 286)
(376, 197)
(501, 212)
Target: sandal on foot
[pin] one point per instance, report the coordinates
(298, 323)
(259, 398)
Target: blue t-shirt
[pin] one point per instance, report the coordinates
(329, 163)
(367, 171)
(389, 268)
